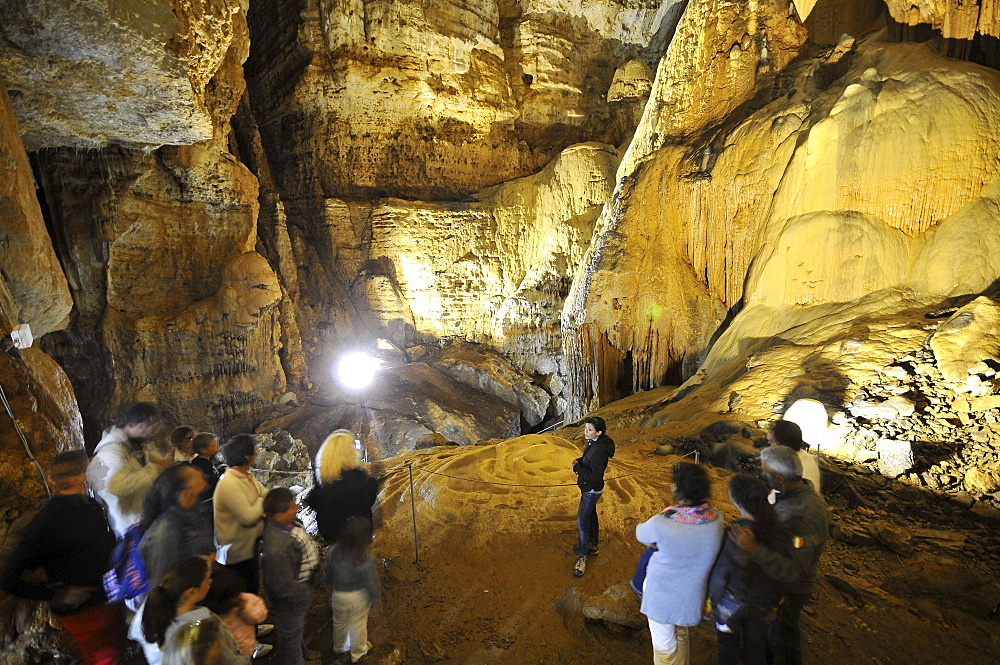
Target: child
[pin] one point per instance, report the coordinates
(205, 446)
(350, 571)
(290, 558)
(240, 611)
(173, 605)
(743, 597)
(181, 439)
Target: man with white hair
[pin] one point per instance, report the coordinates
(805, 519)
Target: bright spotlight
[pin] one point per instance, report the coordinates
(356, 370)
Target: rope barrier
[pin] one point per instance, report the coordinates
(490, 482)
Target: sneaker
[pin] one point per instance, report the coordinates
(580, 567)
(368, 647)
(592, 550)
(264, 629)
(261, 650)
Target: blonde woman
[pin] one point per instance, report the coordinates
(343, 486)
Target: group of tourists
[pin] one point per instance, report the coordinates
(757, 579)
(199, 530)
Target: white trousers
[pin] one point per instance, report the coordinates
(350, 622)
(670, 643)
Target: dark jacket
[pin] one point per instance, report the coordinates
(281, 558)
(805, 519)
(593, 462)
(353, 495)
(71, 540)
(745, 582)
(211, 471)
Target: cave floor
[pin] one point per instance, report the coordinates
(518, 602)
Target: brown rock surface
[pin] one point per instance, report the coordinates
(393, 99)
(30, 268)
(89, 74)
(812, 189)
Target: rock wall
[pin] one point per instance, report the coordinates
(414, 174)
(132, 73)
(363, 100)
(37, 390)
(660, 279)
(173, 304)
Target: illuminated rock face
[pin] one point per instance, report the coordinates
(33, 290)
(362, 100)
(862, 179)
(38, 293)
(173, 304)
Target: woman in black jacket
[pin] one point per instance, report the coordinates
(743, 597)
(343, 487)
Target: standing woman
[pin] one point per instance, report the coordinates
(239, 511)
(743, 597)
(173, 529)
(686, 536)
(173, 604)
(343, 486)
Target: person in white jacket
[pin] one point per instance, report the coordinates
(121, 472)
(238, 504)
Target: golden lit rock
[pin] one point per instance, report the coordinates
(858, 169)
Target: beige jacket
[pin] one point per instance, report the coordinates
(239, 516)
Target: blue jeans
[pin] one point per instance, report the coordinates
(586, 521)
(289, 626)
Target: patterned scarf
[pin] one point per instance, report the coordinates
(701, 514)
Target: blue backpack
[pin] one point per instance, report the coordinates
(127, 577)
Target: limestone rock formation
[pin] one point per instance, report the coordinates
(32, 289)
(89, 74)
(956, 20)
(888, 218)
(498, 270)
(160, 252)
(647, 301)
(496, 376)
(409, 406)
(38, 288)
(415, 101)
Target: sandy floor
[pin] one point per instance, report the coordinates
(502, 591)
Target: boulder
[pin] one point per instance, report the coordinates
(494, 375)
(983, 479)
(894, 457)
(895, 537)
(618, 606)
(969, 337)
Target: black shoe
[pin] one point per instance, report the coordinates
(592, 550)
(580, 567)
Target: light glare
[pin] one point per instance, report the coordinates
(356, 370)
